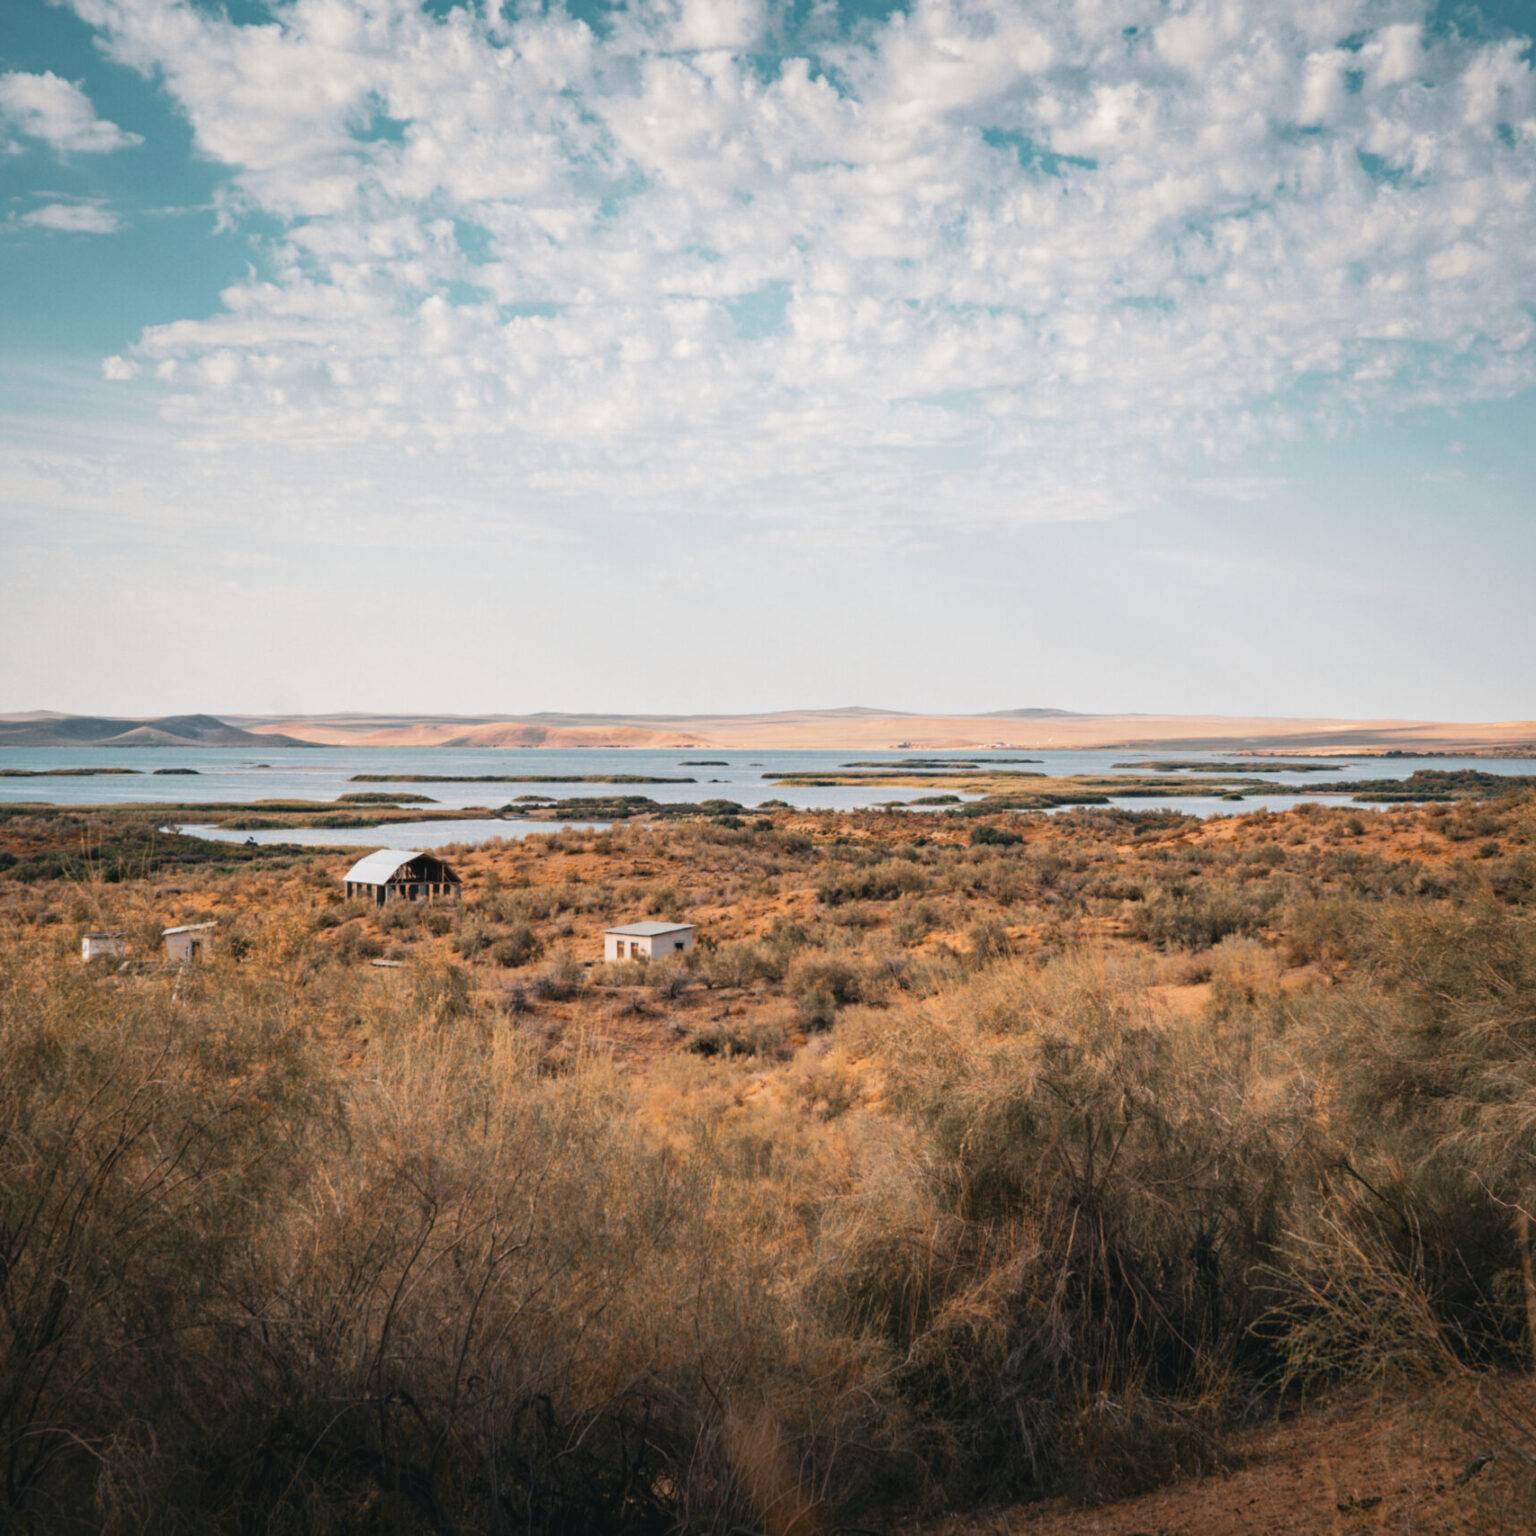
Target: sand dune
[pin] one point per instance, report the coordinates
(872, 729)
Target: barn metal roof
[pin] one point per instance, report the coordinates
(378, 868)
(649, 930)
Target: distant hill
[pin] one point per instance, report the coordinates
(40, 728)
(852, 727)
(1033, 714)
(856, 727)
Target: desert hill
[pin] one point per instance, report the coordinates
(44, 728)
(847, 728)
(871, 729)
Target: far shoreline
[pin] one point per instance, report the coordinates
(810, 730)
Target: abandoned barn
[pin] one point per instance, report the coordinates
(400, 874)
(646, 941)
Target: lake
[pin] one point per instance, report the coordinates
(237, 775)
(393, 834)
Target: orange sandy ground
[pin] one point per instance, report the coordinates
(726, 911)
(1346, 1468)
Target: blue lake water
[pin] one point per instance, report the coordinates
(227, 775)
(394, 834)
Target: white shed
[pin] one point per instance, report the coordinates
(103, 946)
(647, 941)
(188, 942)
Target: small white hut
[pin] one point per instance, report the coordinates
(103, 946)
(189, 942)
(647, 941)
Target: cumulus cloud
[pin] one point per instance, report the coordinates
(981, 260)
(81, 218)
(59, 114)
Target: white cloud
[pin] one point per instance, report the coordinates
(983, 261)
(82, 218)
(59, 113)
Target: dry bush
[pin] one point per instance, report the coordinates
(560, 980)
(996, 1229)
(456, 1288)
(1173, 921)
(1085, 1191)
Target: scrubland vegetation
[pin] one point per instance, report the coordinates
(963, 1161)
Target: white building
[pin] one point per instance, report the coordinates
(647, 941)
(188, 942)
(103, 946)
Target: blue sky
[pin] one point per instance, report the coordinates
(1113, 354)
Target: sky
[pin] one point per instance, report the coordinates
(725, 355)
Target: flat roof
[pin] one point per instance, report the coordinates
(649, 930)
(188, 928)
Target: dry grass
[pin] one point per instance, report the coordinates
(964, 1184)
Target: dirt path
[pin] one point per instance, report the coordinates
(1341, 1471)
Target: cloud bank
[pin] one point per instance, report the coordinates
(980, 261)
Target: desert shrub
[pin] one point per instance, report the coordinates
(753, 1037)
(559, 981)
(516, 946)
(1264, 856)
(140, 1159)
(1324, 930)
(670, 976)
(397, 916)
(1197, 921)
(1458, 1052)
(1514, 879)
(988, 836)
(474, 938)
(989, 940)
(884, 881)
(914, 921)
(740, 963)
(842, 980)
(1429, 1051)
(1244, 975)
(353, 943)
(1056, 1102)
(439, 991)
(820, 985)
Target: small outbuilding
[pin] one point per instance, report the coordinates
(647, 941)
(103, 946)
(189, 942)
(401, 874)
